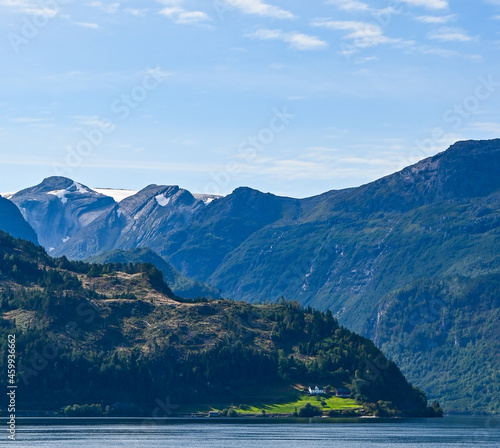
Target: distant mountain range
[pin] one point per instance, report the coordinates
(351, 251)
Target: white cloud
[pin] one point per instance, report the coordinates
(91, 121)
(27, 120)
(490, 127)
(447, 34)
(429, 4)
(437, 19)
(445, 53)
(92, 26)
(328, 166)
(180, 15)
(355, 6)
(260, 8)
(31, 7)
(158, 73)
(109, 8)
(135, 11)
(350, 5)
(188, 17)
(362, 34)
(298, 41)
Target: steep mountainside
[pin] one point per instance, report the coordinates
(116, 333)
(59, 208)
(142, 220)
(333, 251)
(11, 221)
(180, 284)
(344, 251)
(445, 335)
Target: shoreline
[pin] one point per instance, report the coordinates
(148, 422)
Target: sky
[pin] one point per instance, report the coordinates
(291, 97)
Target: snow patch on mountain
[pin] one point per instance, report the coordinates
(116, 194)
(206, 198)
(75, 188)
(162, 200)
(80, 188)
(7, 195)
(61, 194)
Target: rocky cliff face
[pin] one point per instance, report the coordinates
(142, 220)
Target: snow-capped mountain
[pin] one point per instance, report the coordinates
(58, 208)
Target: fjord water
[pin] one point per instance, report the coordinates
(437, 433)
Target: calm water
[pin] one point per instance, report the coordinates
(448, 432)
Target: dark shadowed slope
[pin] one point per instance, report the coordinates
(12, 221)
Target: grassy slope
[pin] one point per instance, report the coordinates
(289, 407)
(284, 405)
(179, 283)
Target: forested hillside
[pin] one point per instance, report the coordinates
(116, 333)
(445, 335)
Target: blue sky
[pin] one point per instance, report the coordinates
(292, 97)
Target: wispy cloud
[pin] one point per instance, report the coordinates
(447, 34)
(90, 121)
(429, 4)
(136, 11)
(30, 7)
(297, 41)
(442, 52)
(487, 126)
(258, 7)
(27, 120)
(320, 165)
(178, 14)
(350, 5)
(358, 7)
(109, 8)
(437, 20)
(89, 25)
(362, 34)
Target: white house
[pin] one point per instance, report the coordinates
(316, 391)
